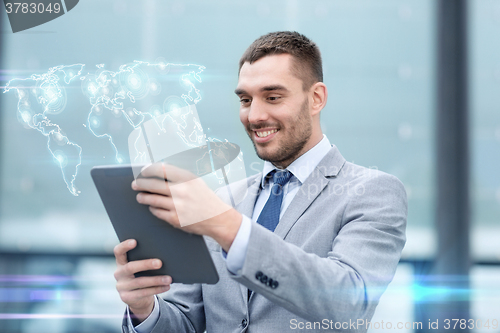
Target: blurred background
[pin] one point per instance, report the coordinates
(384, 65)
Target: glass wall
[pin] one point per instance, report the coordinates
(485, 127)
(484, 85)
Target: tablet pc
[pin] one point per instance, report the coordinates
(185, 256)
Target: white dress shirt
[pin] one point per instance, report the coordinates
(301, 168)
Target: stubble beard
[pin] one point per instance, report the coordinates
(291, 144)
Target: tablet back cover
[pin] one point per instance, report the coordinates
(185, 256)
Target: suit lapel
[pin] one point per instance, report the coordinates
(329, 166)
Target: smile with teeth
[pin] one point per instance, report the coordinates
(265, 133)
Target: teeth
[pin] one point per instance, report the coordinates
(266, 133)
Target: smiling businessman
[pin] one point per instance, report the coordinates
(316, 239)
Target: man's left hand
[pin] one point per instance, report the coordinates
(184, 200)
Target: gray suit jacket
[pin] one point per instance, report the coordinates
(331, 257)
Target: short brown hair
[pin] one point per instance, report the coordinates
(307, 57)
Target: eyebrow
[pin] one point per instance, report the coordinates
(266, 88)
(240, 91)
(273, 88)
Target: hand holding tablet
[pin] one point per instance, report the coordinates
(183, 200)
(138, 293)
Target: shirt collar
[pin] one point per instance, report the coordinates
(303, 166)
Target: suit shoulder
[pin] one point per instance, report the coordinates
(371, 191)
(371, 179)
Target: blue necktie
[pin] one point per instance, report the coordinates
(270, 215)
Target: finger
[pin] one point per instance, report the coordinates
(146, 166)
(153, 170)
(136, 266)
(155, 200)
(143, 282)
(121, 250)
(153, 185)
(134, 295)
(177, 175)
(166, 215)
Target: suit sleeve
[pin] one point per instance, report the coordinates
(347, 284)
(181, 310)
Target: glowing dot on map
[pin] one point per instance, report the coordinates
(95, 122)
(26, 116)
(175, 109)
(61, 158)
(155, 110)
(134, 81)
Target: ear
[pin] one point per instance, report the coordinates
(318, 96)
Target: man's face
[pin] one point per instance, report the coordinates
(274, 109)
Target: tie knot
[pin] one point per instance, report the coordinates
(281, 176)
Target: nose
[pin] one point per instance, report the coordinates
(257, 112)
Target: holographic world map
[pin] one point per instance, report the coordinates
(129, 96)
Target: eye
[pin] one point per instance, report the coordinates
(273, 98)
(245, 101)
